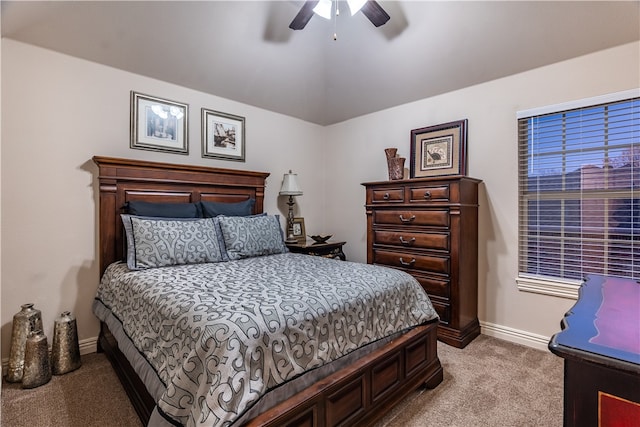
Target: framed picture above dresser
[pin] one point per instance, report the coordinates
(429, 228)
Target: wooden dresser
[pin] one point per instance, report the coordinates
(429, 228)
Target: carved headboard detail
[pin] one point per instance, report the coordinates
(123, 180)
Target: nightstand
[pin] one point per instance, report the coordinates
(327, 249)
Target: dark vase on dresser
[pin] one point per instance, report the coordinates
(429, 228)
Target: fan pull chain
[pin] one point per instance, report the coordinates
(335, 21)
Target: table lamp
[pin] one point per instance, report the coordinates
(290, 188)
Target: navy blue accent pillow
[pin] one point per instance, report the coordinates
(213, 209)
(164, 210)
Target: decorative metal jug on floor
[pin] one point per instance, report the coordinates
(65, 351)
(25, 321)
(37, 368)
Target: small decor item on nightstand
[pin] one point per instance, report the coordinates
(298, 231)
(395, 164)
(65, 351)
(37, 368)
(324, 249)
(25, 321)
(320, 238)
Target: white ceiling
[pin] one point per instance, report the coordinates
(245, 51)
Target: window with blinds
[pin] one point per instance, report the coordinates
(579, 191)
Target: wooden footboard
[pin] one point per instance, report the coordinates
(363, 392)
(357, 395)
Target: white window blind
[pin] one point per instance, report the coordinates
(579, 191)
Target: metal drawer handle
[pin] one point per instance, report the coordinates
(427, 194)
(386, 196)
(407, 264)
(403, 219)
(407, 242)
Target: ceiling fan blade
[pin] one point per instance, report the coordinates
(375, 13)
(303, 17)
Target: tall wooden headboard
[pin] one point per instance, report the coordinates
(123, 180)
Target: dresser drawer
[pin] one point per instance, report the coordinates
(434, 286)
(432, 217)
(423, 194)
(390, 195)
(435, 241)
(435, 264)
(443, 310)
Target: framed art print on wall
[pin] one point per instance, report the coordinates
(223, 136)
(439, 150)
(158, 124)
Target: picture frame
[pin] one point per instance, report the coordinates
(223, 136)
(439, 150)
(159, 124)
(299, 233)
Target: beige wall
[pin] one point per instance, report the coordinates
(1, 197)
(59, 111)
(357, 156)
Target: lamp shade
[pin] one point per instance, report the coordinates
(290, 185)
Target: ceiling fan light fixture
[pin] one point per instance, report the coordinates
(370, 8)
(355, 5)
(323, 8)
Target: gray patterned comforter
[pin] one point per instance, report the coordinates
(221, 335)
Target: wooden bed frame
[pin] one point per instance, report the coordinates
(358, 394)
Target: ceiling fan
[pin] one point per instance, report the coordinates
(370, 8)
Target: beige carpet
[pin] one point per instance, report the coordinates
(90, 396)
(489, 383)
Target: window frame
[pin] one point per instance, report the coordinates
(556, 286)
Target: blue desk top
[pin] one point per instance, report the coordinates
(604, 324)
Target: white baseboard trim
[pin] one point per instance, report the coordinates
(89, 345)
(517, 336)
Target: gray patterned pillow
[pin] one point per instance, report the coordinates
(251, 236)
(161, 242)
